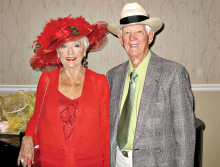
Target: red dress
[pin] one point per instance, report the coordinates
(88, 141)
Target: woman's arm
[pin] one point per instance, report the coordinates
(27, 148)
(105, 120)
(32, 123)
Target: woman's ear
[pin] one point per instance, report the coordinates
(57, 53)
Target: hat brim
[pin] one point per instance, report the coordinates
(155, 23)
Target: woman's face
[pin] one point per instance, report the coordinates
(71, 54)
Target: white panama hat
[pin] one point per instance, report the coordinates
(133, 14)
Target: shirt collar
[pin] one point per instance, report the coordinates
(142, 67)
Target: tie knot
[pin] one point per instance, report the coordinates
(133, 75)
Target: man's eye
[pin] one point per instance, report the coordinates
(139, 31)
(63, 46)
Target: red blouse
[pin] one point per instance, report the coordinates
(90, 137)
(68, 112)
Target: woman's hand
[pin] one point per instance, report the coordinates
(26, 154)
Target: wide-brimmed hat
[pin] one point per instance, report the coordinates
(132, 14)
(57, 32)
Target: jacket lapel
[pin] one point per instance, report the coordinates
(151, 83)
(121, 82)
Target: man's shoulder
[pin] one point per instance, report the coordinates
(167, 64)
(117, 69)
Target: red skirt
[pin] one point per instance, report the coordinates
(48, 160)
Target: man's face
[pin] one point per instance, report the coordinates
(136, 40)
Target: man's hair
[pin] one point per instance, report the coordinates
(147, 27)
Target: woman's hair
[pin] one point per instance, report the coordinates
(85, 41)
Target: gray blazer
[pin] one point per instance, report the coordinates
(165, 130)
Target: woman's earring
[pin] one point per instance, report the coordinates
(85, 63)
(58, 61)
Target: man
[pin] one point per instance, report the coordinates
(151, 104)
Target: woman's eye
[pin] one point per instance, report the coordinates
(77, 45)
(139, 32)
(63, 46)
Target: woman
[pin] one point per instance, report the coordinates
(73, 128)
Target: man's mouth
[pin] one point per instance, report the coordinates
(134, 45)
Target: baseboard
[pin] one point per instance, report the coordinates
(195, 87)
(205, 87)
(14, 88)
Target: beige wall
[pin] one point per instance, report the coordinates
(191, 36)
(207, 108)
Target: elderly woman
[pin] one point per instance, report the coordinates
(71, 118)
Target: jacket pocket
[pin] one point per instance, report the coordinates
(165, 156)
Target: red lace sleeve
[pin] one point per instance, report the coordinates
(31, 126)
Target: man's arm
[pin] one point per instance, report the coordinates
(184, 120)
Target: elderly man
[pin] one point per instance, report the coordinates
(151, 105)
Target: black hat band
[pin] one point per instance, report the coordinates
(133, 19)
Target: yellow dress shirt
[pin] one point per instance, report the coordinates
(141, 71)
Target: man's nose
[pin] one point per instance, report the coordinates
(132, 36)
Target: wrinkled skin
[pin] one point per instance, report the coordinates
(136, 41)
(26, 152)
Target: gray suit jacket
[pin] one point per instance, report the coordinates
(165, 130)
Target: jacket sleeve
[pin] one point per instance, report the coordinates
(32, 123)
(184, 121)
(105, 119)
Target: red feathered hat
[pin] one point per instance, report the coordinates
(57, 32)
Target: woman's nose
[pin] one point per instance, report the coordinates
(70, 50)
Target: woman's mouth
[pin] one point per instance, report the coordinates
(71, 58)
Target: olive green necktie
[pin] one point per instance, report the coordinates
(124, 122)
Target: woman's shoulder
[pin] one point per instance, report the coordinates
(94, 75)
(45, 75)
